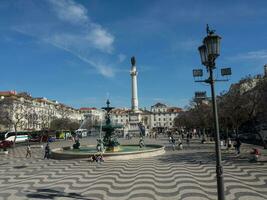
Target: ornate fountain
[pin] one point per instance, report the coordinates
(110, 141)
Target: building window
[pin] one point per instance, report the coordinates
(159, 119)
(170, 124)
(163, 119)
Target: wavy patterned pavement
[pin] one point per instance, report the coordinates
(187, 174)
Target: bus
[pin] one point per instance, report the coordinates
(10, 136)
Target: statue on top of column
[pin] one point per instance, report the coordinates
(133, 61)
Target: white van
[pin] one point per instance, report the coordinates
(81, 132)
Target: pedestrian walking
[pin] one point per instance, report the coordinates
(173, 143)
(28, 151)
(188, 139)
(180, 144)
(238, 145)
(47, 151)
(170, 139)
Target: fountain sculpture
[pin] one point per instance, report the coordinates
(110, 140)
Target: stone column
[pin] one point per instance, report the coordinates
(133, 74)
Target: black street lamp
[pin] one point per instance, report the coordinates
(209, 51)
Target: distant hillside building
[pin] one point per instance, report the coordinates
(249, 83)
(33, 113)
(38, 112)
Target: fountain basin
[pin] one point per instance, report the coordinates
(125, 152)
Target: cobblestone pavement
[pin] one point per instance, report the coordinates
(188, 174)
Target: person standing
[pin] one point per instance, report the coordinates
(28, 151)
(180, 144)
(238, 145)
(47, 151)
(188, 139)
(173, 143)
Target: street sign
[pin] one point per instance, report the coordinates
(197, 72)
(226, 71)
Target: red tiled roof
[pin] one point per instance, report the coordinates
(174, 109)
(12, 92)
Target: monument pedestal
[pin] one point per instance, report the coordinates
(134, 120)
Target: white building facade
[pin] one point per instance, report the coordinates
(163, 116)
(159, 117)
(33, 113)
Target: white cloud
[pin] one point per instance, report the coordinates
(121, 57)
(101, 39)
(84, 39)
(69, 11)
(76, 14)
(102, 68)
(183, 45)
(252, 55)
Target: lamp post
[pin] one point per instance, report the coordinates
(209, 51)
(100, 132)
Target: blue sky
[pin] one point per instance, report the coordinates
(78, 52)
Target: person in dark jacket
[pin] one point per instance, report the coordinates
(238, 145)
(47, 151)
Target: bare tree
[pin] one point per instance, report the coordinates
(64, 124)
(13, 113)
(90, 122)
(256, 108)
(232, 108)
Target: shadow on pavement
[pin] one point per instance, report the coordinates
(191, 158)
(204, 157)
(52, 194)
(20, 167)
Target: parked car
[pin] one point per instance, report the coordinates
(39, 139)
(6, 144)
(51, 139)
